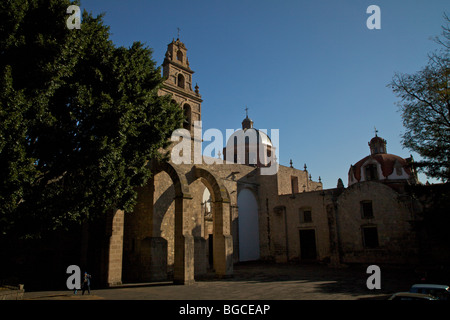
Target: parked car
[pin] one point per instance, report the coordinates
(442, 292)
(411, 296)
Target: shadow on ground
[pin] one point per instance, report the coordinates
(260, 281)
(347, 279)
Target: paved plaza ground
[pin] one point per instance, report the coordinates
(258, 281)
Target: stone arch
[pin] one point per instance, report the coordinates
(184, 241)
(145, 249)
(250, 188)
(179, 180)
(217, 189)
(222, 239)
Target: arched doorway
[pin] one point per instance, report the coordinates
(248, 226)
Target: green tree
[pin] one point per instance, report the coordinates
(79, 118)
(425, 109)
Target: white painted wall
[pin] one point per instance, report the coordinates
(248, 226)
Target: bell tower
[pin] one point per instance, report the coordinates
(179, 83)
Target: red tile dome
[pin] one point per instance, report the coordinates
(387, 162)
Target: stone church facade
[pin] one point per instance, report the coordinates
(193, 219)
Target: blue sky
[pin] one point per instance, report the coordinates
(311, 69)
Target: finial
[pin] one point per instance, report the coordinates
(291, 163)
(196, 88)
(320, 180)
(376, 131)
(305, 167)
(178, 33)
(246, 111)
(219, 154)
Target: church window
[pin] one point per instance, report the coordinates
(235, 147)
(180, 55)
(180, 80)
(370, 236)
(187, 116)
(305, 215)
(366, 209)
(371, 172)
(247, 147)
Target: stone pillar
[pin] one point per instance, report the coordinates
(153, 259)
(184, 242)
(115, 252)
(279, 235)
(335, 260)
(201, 263)
(235, 231)
(153, 251)
(223, 241)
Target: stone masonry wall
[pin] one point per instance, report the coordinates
(391, 217)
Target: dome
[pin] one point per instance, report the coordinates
(387, 163)
(264, 138)
(249, 146)
(380, 165)
(254, 136)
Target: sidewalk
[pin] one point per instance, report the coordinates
(257, 281)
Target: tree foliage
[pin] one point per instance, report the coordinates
(425, 109)
(79, 118)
